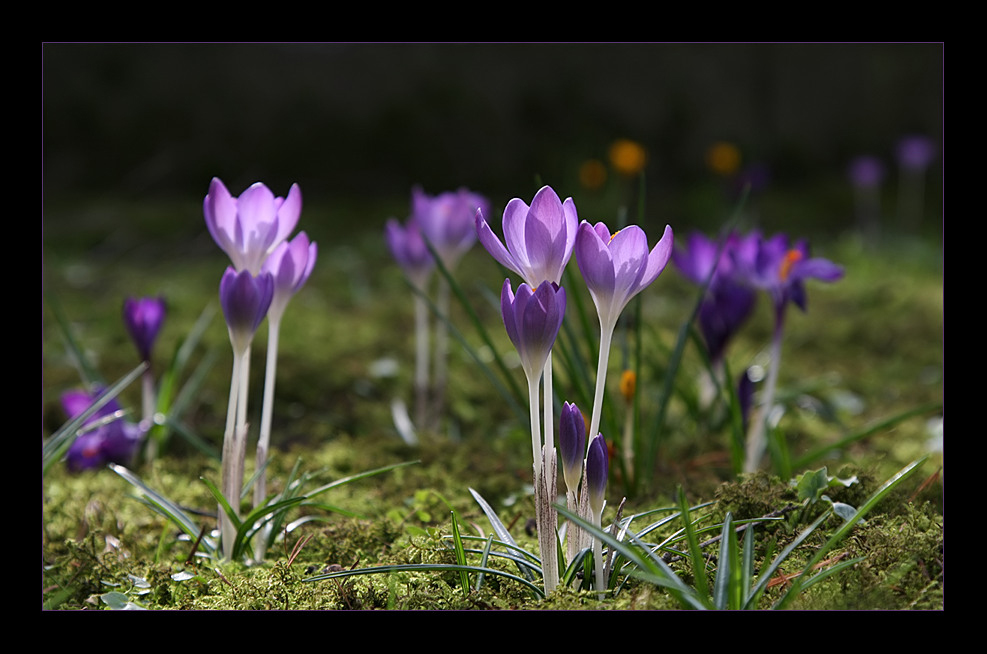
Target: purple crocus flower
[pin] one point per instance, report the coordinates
(866, 171)
(572, 443)
(290, 265)
(915, 152)
(781, 270)
(729, 298)
(245, 300)
(249, 227)
(114, 442)
(408, 248)
(617, 267)
(539, 239)
(597, 471)
(533, 319)
(143, 318)
(448, 221)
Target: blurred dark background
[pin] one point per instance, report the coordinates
(138, 122)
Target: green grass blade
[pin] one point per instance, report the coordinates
(846, 527)
(483, 561)
(427, 567)
(695, 552)
(90, 376)
(164, 506)
(464, 580)
(807, 459)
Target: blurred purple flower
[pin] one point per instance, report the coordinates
(114, 442)
(572, 443)
(448, 221)
(597, 471)
(781, 270)
(866, 171)
(290, 265)
(617, 267)
(533, 319)
(245, 300)
(915, 152)
(729, 297)
(143, 318)
(408, 248)
(539, 239)
(248, 228)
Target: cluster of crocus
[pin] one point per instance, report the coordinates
(732, 272)
(105, 437)
(538, 242)
(444, 222)
(267, 271)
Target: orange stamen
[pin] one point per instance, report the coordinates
(791, 257)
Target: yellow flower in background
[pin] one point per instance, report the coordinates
(628, 157)
(592, 174)
(723, 158)
(628, 384)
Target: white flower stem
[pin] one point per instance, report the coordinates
(606, 335)
(601, 582)
(440, 361)
(757, 437)
(264, 440)
(421, 361)
(229, 458)
(549, 434)
(536, 453)
(148, 401)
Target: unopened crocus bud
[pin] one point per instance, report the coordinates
(572, 443)
(245, 300)
(143, 318)
(597, 470)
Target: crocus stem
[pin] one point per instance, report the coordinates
(441, 353)
(629, 443)
(757, 438)
(421, 361)
(606, 335)
(601, 583)
(229, 457)
(264, 440)
(536, 455)
(549, 409)
(148, 401)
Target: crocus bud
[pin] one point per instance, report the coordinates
(245, 300)
(597, 469)
(143, 318)
(572, 443)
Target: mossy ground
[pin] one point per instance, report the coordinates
(870, 347)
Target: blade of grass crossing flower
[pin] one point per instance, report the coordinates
(649, 566)
(56, 446)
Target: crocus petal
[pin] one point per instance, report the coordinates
(538, 240)
(532, 320)
(245, 300)
(572, 443)
(492, 244)
(597, 471)
(143, 319)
